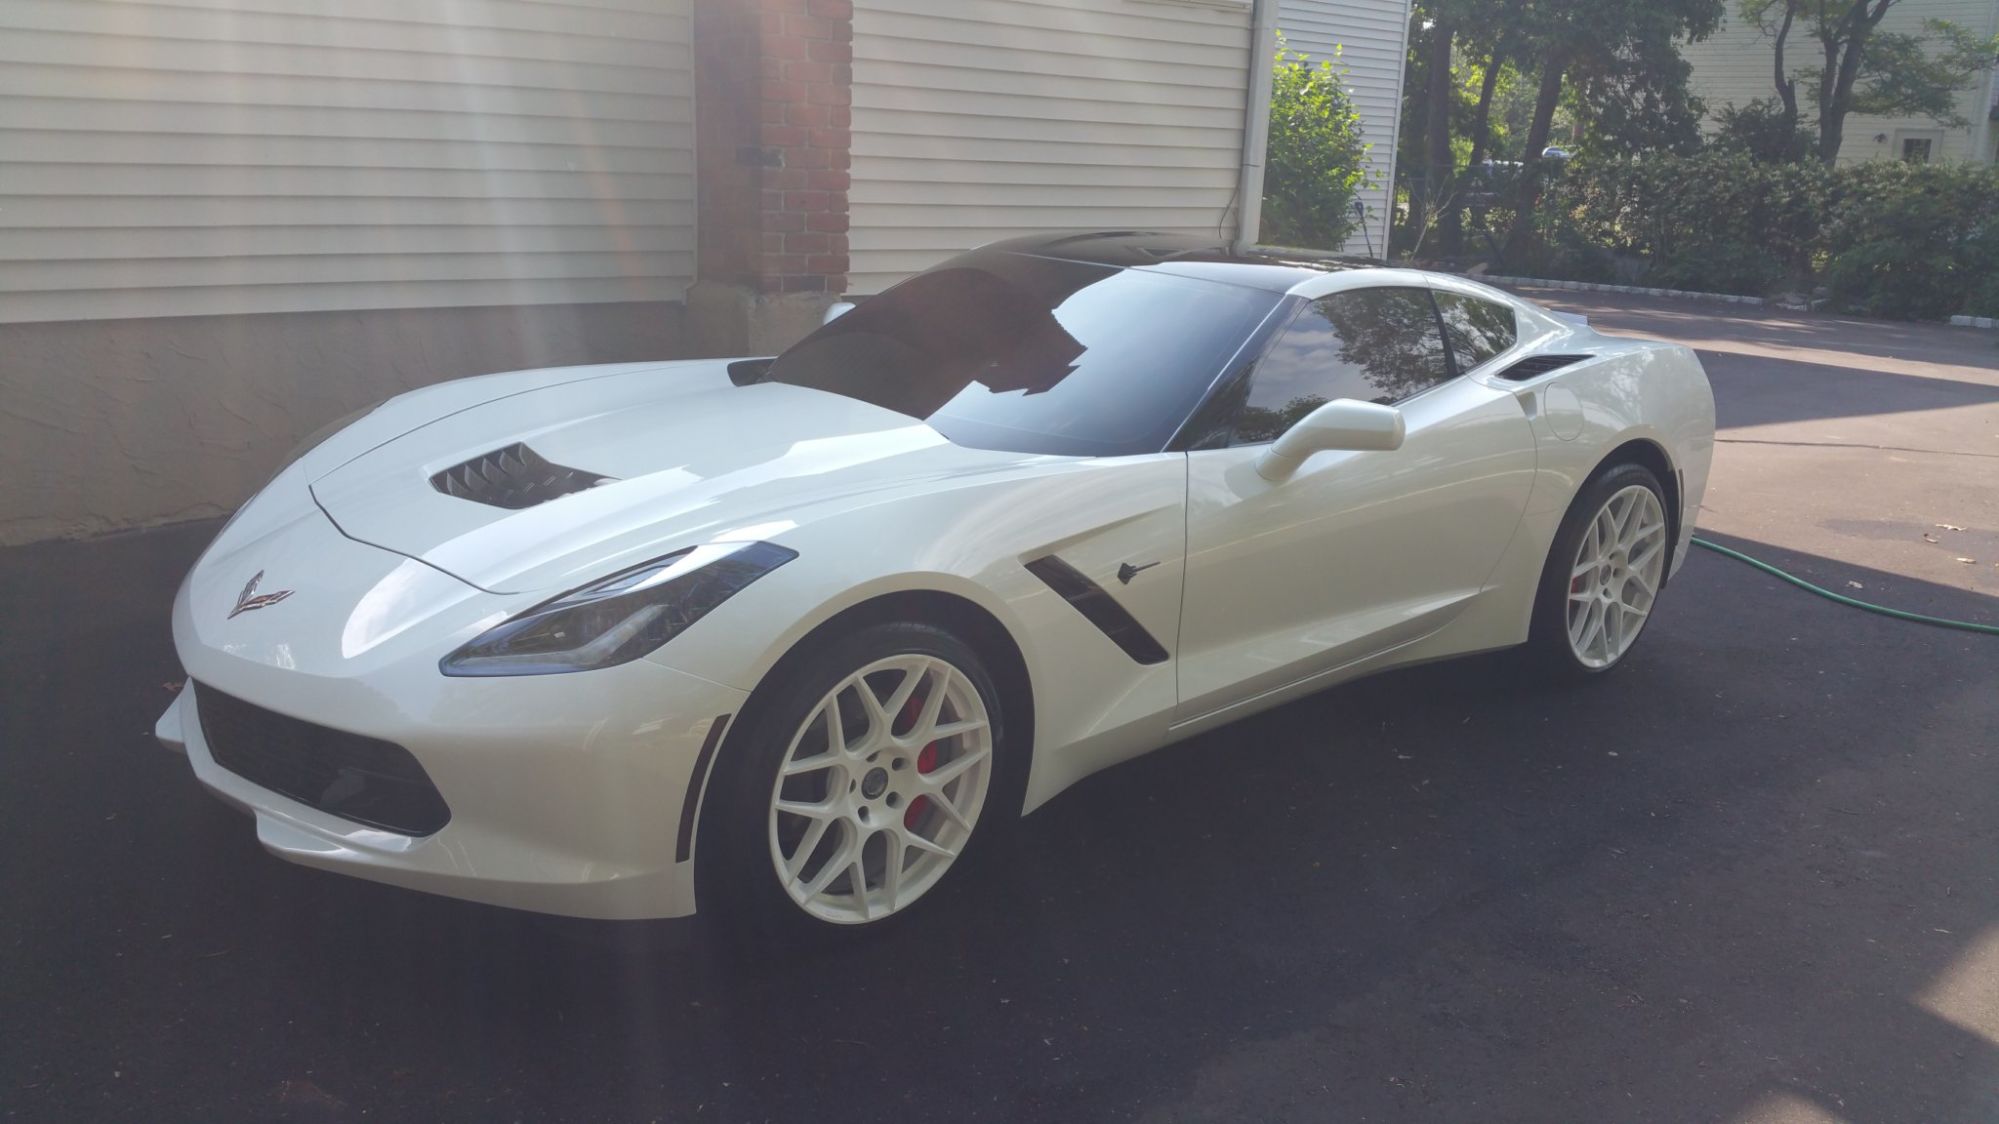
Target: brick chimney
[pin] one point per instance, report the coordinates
(773, 90)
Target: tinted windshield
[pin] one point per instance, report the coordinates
(1034, 355)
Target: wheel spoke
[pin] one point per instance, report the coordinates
(944, 804)
(828, 872)
(924, 731)
(1640, 534)
(892, 870)
(916, 841)
(821, 811)
(814, 835)
(1640, 563)
(857, 877)
(817, 763)
(1643, 581)
(953, 769)
(836, 727)
(1594, 631)
(911, 679)
(953, 729)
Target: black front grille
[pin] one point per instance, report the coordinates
(366, 780)
(513, 477)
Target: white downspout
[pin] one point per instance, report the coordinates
(1256, 123)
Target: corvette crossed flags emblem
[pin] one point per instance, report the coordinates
(250, 599)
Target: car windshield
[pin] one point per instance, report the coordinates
(1028, 354)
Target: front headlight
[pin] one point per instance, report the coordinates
(620, 618)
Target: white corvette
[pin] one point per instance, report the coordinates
(787, 637)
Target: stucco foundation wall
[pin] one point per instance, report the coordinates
(112, 424)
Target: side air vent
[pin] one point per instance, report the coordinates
(1536, 365)
(514, 478)
(1099, 608)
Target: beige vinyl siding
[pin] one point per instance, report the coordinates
(982, 119)
(229, 156)
(1369, 40)
(1735, 66)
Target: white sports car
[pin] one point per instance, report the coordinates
(787, 637)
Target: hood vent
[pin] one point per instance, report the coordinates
(1536, 365)
(514, 477)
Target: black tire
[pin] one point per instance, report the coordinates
(737, 886)
(1548, 639)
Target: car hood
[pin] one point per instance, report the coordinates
(687, 457)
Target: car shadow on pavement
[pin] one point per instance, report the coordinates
(1740, 868)
(1761, 391)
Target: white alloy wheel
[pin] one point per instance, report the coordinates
(1616, 575)
(880, 789)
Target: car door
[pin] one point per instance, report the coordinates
(1356, 552)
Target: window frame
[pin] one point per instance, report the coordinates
(1518, 334)
(1241, 374)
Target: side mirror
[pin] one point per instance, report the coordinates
(1343, 423)
(836, 310)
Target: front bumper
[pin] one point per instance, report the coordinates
(567, 793)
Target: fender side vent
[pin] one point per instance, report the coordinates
(1535, 366)
(1099, 608)
(515, 477)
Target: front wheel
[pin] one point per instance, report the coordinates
(862, 780)
(1603, 573)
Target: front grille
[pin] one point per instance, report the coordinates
(366, 780)
(513, 477)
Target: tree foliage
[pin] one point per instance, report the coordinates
(1885, 238)
(1316, 162)
(1860, 68)
(1764, 131)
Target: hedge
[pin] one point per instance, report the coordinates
(1910, 241)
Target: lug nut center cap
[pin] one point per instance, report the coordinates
(873, 784)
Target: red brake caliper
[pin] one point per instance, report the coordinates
(926, 760)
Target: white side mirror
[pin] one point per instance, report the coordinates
(1343, 423)
(836, 310)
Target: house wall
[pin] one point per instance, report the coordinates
(983, 119)
(208, 210)
(1735, 67)
(1369, 40)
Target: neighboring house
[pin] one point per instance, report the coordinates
(1369, 40)
(224, 222)
(1735, 66)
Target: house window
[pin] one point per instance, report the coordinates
(1916, 150)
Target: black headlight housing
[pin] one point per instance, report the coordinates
(620, 618)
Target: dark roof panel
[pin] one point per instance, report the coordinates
(1177, 254)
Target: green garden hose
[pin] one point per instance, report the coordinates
(1899, 614)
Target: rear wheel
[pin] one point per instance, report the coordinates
(861, 782)
(1603, 573)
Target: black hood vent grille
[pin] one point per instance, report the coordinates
(514, 477)
(1535, 366)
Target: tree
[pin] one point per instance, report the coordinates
(1766, 131)
(1614, 46)
(1316, 162)
(1866, 70)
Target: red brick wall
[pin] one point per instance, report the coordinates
(773, 88)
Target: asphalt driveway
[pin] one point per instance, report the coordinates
(1750, 878)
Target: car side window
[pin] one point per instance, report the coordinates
(1477, 329)
(1377, 345)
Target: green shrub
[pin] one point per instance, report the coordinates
(1760, 131)
(1316, 162)
(1913, 241)
(1885, 239)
